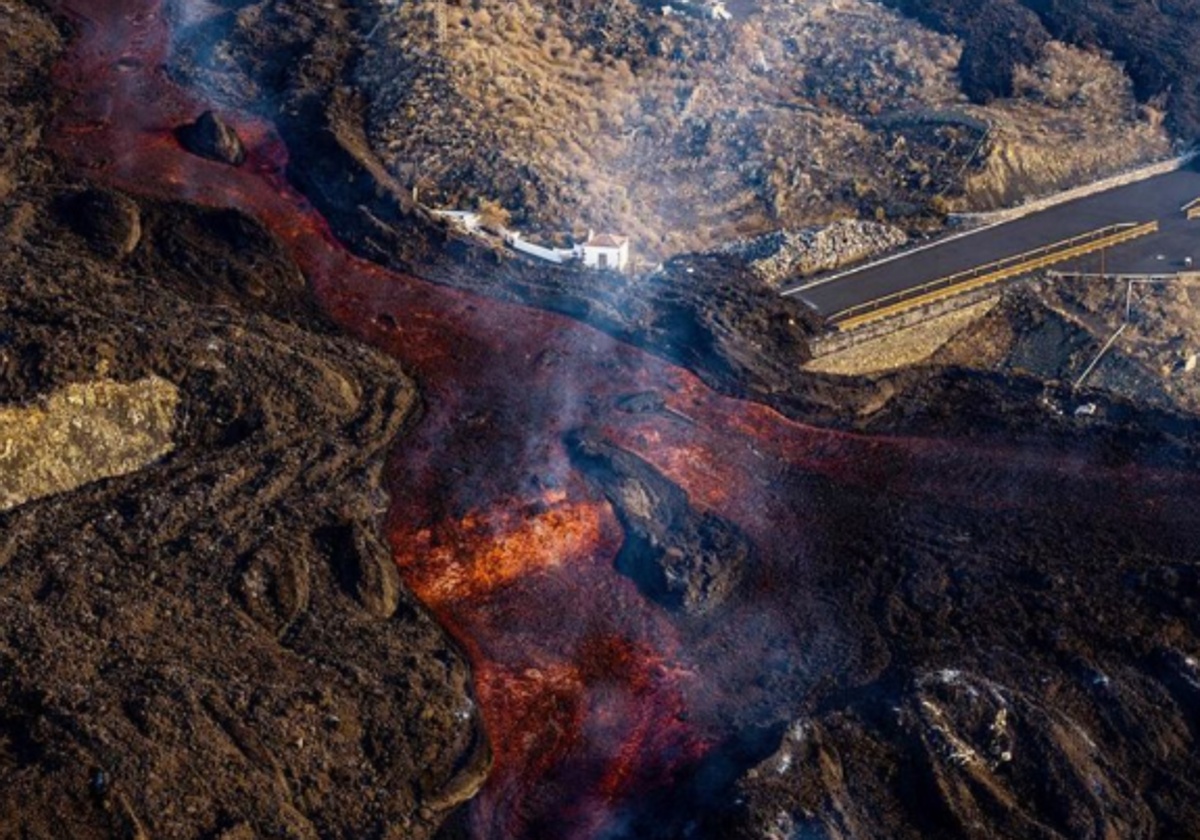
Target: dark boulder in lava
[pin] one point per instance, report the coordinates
(211, 137)
(679, 557)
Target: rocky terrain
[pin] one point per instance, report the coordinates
(203, 634)
(218, 639)
(776, 258)
(1154, 41)
(1057, 329)
(694, 590)
(685, 132)
(709, 312)
(681, 558)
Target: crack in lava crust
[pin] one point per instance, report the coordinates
(590, 693)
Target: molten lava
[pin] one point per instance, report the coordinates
(590, 693)
(482, 553)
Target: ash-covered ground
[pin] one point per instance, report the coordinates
(216, 644)
(920, 604)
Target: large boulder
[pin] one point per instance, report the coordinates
(211, 137)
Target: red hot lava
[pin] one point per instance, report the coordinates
(589, 692)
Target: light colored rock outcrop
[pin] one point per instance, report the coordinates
(83, 433)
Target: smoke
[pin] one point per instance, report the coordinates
(200, 54)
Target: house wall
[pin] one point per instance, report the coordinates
(551, 254)
(617, 258)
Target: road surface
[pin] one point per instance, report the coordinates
(1159, 198)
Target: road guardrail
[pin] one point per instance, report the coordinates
(993, 272)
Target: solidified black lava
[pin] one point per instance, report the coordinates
(212, 647)
(111, 223)
(682, 558)
(210, 137)
(232, 609)
(217, 645)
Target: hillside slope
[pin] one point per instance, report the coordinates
(1155, 41)
(687, 131)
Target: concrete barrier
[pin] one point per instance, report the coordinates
(554, 255)
(1123, 179)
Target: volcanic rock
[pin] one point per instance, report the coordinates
(211, 137)
(290, 709)
(111, 223)
(681, 558)
(784, 255)
(176, 247)
(275, 586)
(186, 634)
(364, 566)
(990, 761)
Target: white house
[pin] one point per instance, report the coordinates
(606, 251)
(464, 219)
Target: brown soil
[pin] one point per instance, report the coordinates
(683, 132)
(1055, 329)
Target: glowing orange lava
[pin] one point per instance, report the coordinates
(487, 550)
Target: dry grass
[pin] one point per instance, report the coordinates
(686, 132)
(1076, 119)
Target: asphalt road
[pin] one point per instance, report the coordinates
(1158, 198)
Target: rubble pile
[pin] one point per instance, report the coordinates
(788, 254)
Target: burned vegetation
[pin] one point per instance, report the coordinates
(1155, 41)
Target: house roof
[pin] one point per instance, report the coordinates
(606, 240)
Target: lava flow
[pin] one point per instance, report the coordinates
(592, 694)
